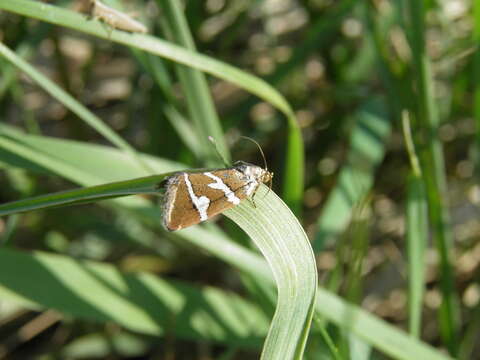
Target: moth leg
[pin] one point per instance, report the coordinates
(252, 201)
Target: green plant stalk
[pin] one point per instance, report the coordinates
(146, 185)
(194, 85)
(434, 174)
(66, 99)
(417, 236)
(293, 178)
(417, 232)
(476, 81)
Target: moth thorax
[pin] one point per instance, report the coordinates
(254, 173)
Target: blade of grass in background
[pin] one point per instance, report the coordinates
(194, 85)
(416, 236)
(99, 346)
(417, 233)
(356, 177)
(294, 168)
(184, 129)
(9, 72)
(140, 302)
(433, 168)
(470, 339)
(476, 81)
(64, 98)
(42, 154)
(373, 330)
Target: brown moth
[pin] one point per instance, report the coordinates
(116, 19)
(193, 197)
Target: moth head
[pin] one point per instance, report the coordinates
(254, 172)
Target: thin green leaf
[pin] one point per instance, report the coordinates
(81, 111)
(281, 239)
(140, 302)
(146, 185)
(417, 237)
(373, 330)
(417, 232)
(476, 80)
(433, 170)
(356, 178)
(194, 85)
(67, 158)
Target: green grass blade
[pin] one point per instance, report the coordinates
(417, 232)
(356, 177)
(81, 111)
(139, 302)
(476, 79)
(146, 185)
(294, 168)
(386, 338)
(184, 129)
(417, 236)
(283, 242)
(434, 171)
(44, 154)
(194, 85)
(99, 346)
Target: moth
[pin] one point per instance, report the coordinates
(195, 196)
(116, 19)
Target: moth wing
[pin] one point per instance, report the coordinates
(181, 211)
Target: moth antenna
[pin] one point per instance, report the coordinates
(212, 140)
(259, 148)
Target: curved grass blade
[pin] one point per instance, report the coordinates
(281, 239)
